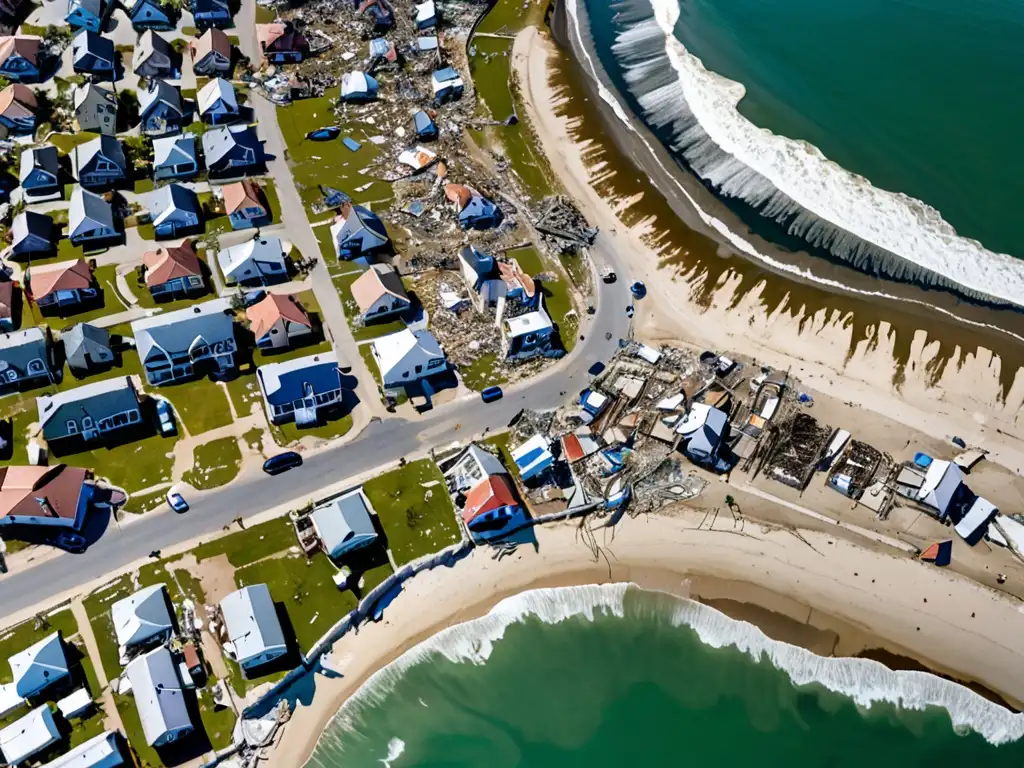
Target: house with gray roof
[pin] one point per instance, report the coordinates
(87, 348)
(29, 736)
(174, 157)
(233, 150)
(159, 697)
(100, 162)
(32, 233)
(254, 634)
(25, 359)
(344, 524)
(143, 617)
(39, 666)
(89, 412)
(174, 210)
(217, 102)
(175, 346)
(39, 173)
(95, 108)
(93, 54)
(154, 57)
(90, 218)
(161, 111)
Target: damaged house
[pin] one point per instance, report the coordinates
(474, 211)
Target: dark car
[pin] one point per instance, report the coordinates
(490, 394)
(70, 541)
(638, 289)
(275, 465)
(596, 369)
(253, 297)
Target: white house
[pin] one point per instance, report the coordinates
(344, 524)
(159, 697)
(254, 633)
(379, 292)
(941, 483)
(143, 617)
(100, 751)
(406, 356)
(472, 467)
(29, 736)
(257, 261)
(39, 666)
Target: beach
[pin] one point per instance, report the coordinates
(816, 589)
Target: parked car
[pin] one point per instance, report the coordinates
(596, 369)
(165, 415)
(253, 297)
(490, 394)
(638, 289)
(70, 541)
(275, 465)
(177, 502)
(608, 275)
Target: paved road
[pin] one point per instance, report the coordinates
(379, 443)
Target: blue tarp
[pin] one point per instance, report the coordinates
(351, 143)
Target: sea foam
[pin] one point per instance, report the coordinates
(793, 182)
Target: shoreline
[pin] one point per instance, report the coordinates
(899, 610)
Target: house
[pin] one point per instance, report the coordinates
(533, 457)
(19, 58)
(102, 751)
(174, 157)
(93, 54)
(491, 508)
(944, 489)
(18, 107)
(424, 126)
(178, 345)
(480, 273)
(217, 102)
(38, 172)
(95, 108)
(143, 618)
(426, 44)
(211, 13)
(528, 335)
(89, 412)
(447, 84)
(25, 359)
(39, 666)
(232, 149)
(85, 14)
(406, 356)
(704, 429)
(64, 284)
(211, 53)
(29, 735)
(151, 14)
(281, 42)
(357, 232)
(467, 469)
(174, 210)
(258, 261)
(99, 162)
(298, 390)
(344, 524)
(159, 697)
(161, 111)
(174, 271)
(244, 205)
(87, 348)
(54, 497)
(90, 218)
(426, 15)
(153, 57)
(474, 210)
(277, 320)
(382, 51)
(974, 523)
(32, 233)
(7, 299)
(253, 630)
(358, 87)
(379, 293)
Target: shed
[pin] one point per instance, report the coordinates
(447, 84)
(75, 704)
(941, 483)
(424, 125)
(973, 525)
(100, 751)
(345, 524)
(358, 86)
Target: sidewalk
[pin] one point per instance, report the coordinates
(106, 695)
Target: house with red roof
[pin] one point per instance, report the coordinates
(492, 509)
(278, 320)
(62, 285)
(174, 272)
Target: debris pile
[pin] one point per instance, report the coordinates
(798, 447)
(563, 228)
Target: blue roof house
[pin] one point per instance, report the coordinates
(299, 390)
(174, 210)
(174, 157)
(217, 102)
(93, 54)
(19, 58)
(425, 127)
(426, 14)
(100, 162)
(150, 14)
(357, 232)
(211, 13)
(38, 172)
(533, 457)
(447, 85)
(32, 233)
(85, 14)
(232, 150)
(160, 109)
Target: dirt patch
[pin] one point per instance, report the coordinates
(216, 574)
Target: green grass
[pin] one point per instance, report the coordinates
(190, 31)
(366, 352)
(147, 756)
(327, 250)
(65, 142)
(218, 723)
(254, 543)
(143, 185)
(147, 232)
(244, 391)
(414, 525)
(180, 584)
(201, 404)
(485, 371)
(360, 332)
(254, 438)
(273, 200)
(145, 502)
(557, 293)
(501, 442)
(97, 607)
(132, 466)
(216, 463)
(286, 434)
(265, 15)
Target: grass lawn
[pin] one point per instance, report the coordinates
(97, 606)
(201, 404)
(361, 332)
(147, 756)
(216, 463)
(491, 76)
(254, 438)
(218, 723)
(146, 502)
(244, 391)
(254, 543)
(181, 583)
(327, 249)
(132, 466)
(65, 142)
(414, 525)
(105, 277)
(487, 370)
(273, 201)
(143, 185)
(366, 352)
(265, 15)
(286, 434)
(501, 442)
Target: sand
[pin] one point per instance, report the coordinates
(816, 590)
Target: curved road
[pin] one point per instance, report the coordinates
(381, 442)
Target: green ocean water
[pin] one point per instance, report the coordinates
(632, 689)
(921, 97)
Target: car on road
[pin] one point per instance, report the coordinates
(608, 275)
(253, 297)
(165, 417)
(629, 311)
(275, 465)
(638, 289)
(596, 369)
(177, 502)
(490, 394)
(70, 541)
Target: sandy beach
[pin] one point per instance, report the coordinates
(815, 590)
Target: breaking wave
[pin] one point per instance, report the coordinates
(792, 182)
(864, 681)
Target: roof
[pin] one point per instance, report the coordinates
(344, 523)
(472, 466)
(83, 92)
(22, 347)
(175, 331)
(280, 36)
(39, 665)
(160, 91)
(158, 694)
(17, 100)
(100, 751)
(82, 338)
(531, 322)
(31, 223)
(105, 145)
(393, 348)
(358, 83)
(62, 276)
(100, 399)
(423, 122)
(212, 40)
(704, 427)
(75, 703)
(29, 735)
(89, 42)
(165, 201)
(446, 75)
(268, 34)
(358, 228)
(572, 451)
(941, 482)
(217, 89)
(218, 142)
(142, 615)
(459, 194)
(173, 150)
(89, 211)
(26, 46)
(972, 525)
(533, 456)
(251, 622)
(170, 263)
(95, 7)
(265, 313)
(489, 494)
(264, 249)
(379, 280)
(290, 380)
(148, 44)
(45, 158)
(241, 194)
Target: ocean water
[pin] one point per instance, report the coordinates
(878, 133)
(613, 676)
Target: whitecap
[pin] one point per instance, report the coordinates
(395, 749)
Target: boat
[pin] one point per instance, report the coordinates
(324, 134)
